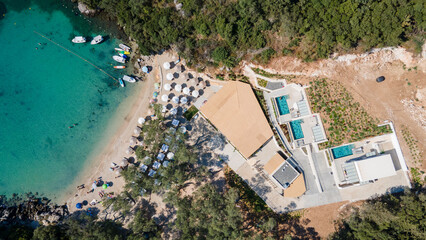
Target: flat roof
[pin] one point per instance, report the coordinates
(286, 174)
(273, 163)
(235, 111)
(375, 167)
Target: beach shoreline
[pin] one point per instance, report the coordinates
(114, 149)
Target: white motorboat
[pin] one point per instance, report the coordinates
(97, 39)
(124, 47)
(79, 39)
(119, 59)
(129, 79)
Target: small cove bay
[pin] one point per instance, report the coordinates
(55, 108)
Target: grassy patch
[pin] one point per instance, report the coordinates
(411, 142)
(344, 118)
(190, 113)
(262, 82)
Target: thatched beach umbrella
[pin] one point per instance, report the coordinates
(141, 120)
(169, 76)
(178, 88)
(166, 65)
(186, 91)
(175, 99)
(164, 98)
(195, 93)
(184, 100)
(167, 87)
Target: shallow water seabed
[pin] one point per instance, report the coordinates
(54, 107)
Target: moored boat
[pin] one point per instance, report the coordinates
(118, 49)
(120, 80)
(129, 79)
(79, 39)
(119, 67)
(124, 52)
(124, 47)
(119, 59)
(97, 39)
(123, 55)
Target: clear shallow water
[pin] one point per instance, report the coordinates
(44, 91)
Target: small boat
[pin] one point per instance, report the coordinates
(119, 59)
(123, 55)
(79, 39)
(124, 47)
(97, 40)
(124, 52)
(119, 67)
(118, 49)
(129, 79)
(120, 80)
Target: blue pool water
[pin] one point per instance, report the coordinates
(44, 90)
(296, 129)
(342, 151)
(282, 105)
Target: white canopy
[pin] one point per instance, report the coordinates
(164, 98)
(169, 76)
(170, 155)
(195, 93)
(175, 99)
(141, 120)
(166, 65)
(184, 100)
(167, 87)
(137, 131)
(173, 111)
(186, 90)
(129, 150)
(178, 88)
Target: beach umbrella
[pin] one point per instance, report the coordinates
(79, 205)
(193, 82)
(129, 150)
(184, 100)
(195, 93)
(186, 76)
(119, 170)
(167, 87)
(178, 88)
(173, 111)
(94, 185)
(164, 109)
(164, 98)
(166, 65)
(140, 143)
(144, 69)
(133, 140)
(124, 162)
(169, 76)
(104, 186)
(155, 94)
(141, 120)
(186, 91)
(156, 86)
(202, 84)
(170, 155)
(137, 131)
(175, 99)
(182, 129)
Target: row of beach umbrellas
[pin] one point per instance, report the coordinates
(178, 88)
(175, 99)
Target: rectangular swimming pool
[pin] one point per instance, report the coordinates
(342, 151)
(282, 105)
(296, 129)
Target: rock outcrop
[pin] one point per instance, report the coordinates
(84, 9)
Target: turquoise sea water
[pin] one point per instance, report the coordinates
(44, 90)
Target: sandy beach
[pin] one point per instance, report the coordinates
(116, 147)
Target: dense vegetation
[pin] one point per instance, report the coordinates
(387, 217)
(222, 32)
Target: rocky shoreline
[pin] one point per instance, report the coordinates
(30, 210)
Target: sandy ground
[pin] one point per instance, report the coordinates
(116, 148)
(401, 98)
